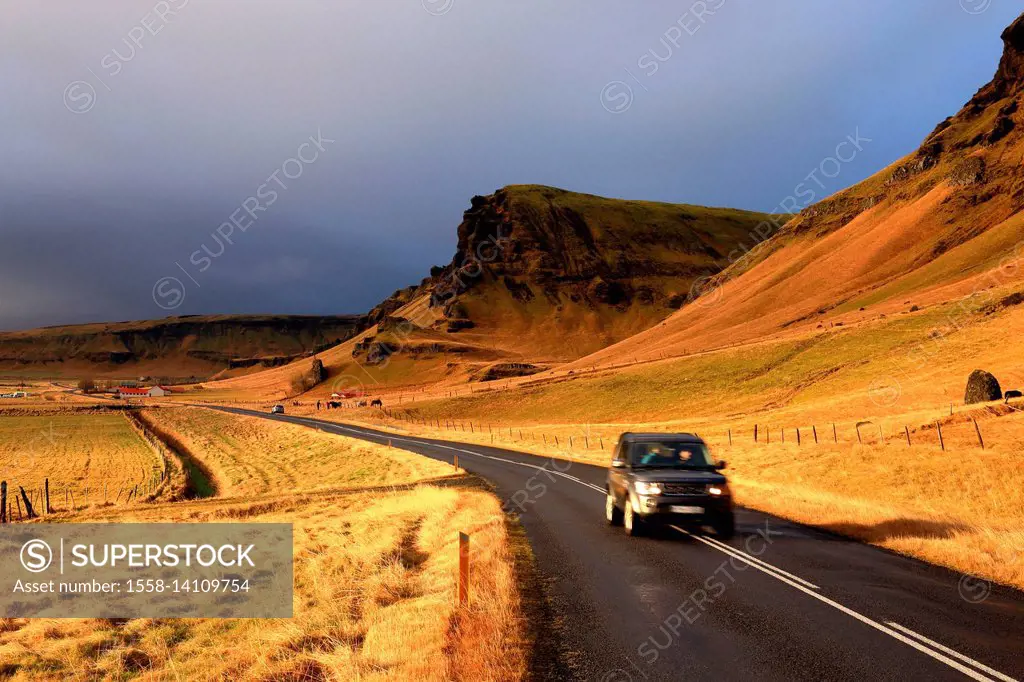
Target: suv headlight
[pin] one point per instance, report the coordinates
(719, 489)
(645, 488)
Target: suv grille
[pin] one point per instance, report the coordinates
(683, 489)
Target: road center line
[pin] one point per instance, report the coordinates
(951, 652)
(873, 623)
(743, 556)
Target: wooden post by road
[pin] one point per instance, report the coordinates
(835, 436)
(463, 570)
(46, 506)
(730, 437)
(815, 430)
(455, 463)
(942, 443)
(798, 435)
(755, 433)
(977, 429)
(3, 501)
(906, 429)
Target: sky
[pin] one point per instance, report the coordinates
(295, 156)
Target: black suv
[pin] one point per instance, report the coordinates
(667, 477)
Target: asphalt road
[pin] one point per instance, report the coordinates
(778, 602)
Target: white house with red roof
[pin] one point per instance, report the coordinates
(126, 392)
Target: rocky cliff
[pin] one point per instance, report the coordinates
(564, 273)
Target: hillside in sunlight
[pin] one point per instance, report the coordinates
(940, 224)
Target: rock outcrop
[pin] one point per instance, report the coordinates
(981, 388)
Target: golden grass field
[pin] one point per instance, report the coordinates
(251, 456)
(95, 452)
(375, 571)
(374, 600)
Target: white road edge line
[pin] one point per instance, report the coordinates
(792, 581)
(951, 652)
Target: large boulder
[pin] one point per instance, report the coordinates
(982, 387)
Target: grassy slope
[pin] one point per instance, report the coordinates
(196, 345)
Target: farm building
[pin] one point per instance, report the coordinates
(152, 392)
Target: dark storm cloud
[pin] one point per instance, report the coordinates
(135, 134)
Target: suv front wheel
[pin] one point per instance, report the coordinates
(612, 513)
(631, 520)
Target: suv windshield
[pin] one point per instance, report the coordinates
(670, 454)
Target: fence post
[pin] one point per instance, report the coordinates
(16, 499)
(463, 569)
(815, 430)
(755, 433)
(977, 428)
(942, 443)
(907, 430)
(798, 435)
(46, 506)
(881, 437)
(730, 437)
(29, 511)
(3, 501)
(835, 436)
(858, 434)
(456, 462)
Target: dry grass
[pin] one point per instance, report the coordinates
(252, 456)
(75, 451)
(963, 510)
(375, 571)
(374, 600)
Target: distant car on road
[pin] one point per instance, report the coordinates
(667, 478)
(277, 409)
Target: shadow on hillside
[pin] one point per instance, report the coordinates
(897, 528)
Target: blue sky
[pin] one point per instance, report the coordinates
(133, 130)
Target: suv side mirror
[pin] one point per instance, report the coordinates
(618, 464)
(721, 464)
